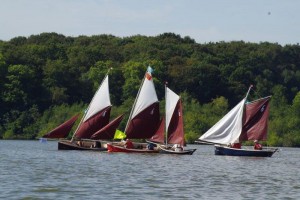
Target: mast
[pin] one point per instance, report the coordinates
(149, 70)
(85, 113)
(251, 86)
(131, 112)
(166, 128)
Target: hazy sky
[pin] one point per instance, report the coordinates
(203, 20)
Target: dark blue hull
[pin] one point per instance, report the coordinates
(227, 151)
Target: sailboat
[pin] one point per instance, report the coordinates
(63, 130)
(95, 119)
(173, 125)
(144, 118)
(246, 121)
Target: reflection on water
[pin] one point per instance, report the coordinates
(33, 170)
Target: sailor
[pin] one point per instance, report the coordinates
(150, 146)
(257, 146)
(177, 148)
(128, 144)
(236, 145)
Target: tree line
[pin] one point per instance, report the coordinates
(46, 78)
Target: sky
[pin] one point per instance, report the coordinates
(276, 21)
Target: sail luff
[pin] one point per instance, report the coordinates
(166, 123)
(133, 106)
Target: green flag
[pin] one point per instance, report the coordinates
(119, 135)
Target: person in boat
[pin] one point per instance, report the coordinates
(96, 144)
(79, 143)
(235, 145)
(177, 148)
(128, 144)
(150, 146)
(257, 145)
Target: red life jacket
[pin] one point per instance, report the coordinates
(257, 146)
(236, 145)
(128, 144)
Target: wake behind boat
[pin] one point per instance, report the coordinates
(246, 121)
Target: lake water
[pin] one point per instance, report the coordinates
(33, 170)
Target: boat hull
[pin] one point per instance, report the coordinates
(171, 151)
(82, 145)
(227, 151)
(117, 148)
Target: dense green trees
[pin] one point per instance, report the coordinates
(46, 78)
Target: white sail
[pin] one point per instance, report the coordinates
(100, 100)
(171, 102)
(228, 129)
(146, 97)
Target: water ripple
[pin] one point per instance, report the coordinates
(31, 170)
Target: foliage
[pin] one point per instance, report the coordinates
(46, 78)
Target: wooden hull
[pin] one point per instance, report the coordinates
(227, 151)
(171, 151)
(118, 148)
(82, 145)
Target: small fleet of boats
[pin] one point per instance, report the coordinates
(246, 121)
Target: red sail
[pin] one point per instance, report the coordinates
(256, 120)
(93, 124)
(145, 124)
(108, 131)
(158, 137)
(175, 129)
(63, 130)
